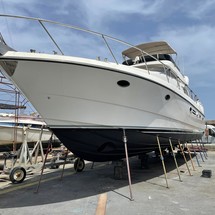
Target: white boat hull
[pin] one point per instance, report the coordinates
(74, 95)
(11, 135)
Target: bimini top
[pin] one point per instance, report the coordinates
(151, 48)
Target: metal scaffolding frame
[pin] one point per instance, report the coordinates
(11, 100)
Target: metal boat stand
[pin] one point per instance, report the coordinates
(24, 155)
(162, 160)
(127, 164)
(203, 149)
(182, 151)
(67, 152)
(176, 164)
(20, 161)
(38, 146)
(44, 162)
(196, 155)
(190, 157)
(199, 149)
(79, 163)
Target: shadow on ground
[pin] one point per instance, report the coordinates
(88, 183)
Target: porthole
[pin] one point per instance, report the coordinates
(167, 97)
(123, 83)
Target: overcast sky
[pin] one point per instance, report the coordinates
(188, 26)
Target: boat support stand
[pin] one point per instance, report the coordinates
(62, 173)
(44, 162)
(190, 157)
(24, 156)
(176, 164)
(196, 155)
(203, 150)
(200, 151)
(162, 160)
(127, 163)
(182, 151)
(38, 146)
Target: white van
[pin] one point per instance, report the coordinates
(209, 134)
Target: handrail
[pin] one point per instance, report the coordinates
(50, 36)
(104, 37)
(71, 27)
(80, 29)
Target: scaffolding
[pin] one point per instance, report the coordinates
(11, 101)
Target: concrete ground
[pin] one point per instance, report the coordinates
(79, 193)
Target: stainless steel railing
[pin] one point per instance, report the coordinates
(104, 38)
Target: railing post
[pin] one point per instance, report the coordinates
(109, 49)
(50, 36)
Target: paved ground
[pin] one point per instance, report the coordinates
(78, 193)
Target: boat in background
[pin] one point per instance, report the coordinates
(14, 128)
(209, 134)
(90, 105)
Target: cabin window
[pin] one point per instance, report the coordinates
(123, 83)
(167, 97)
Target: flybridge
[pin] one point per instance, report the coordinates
(151, 48)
